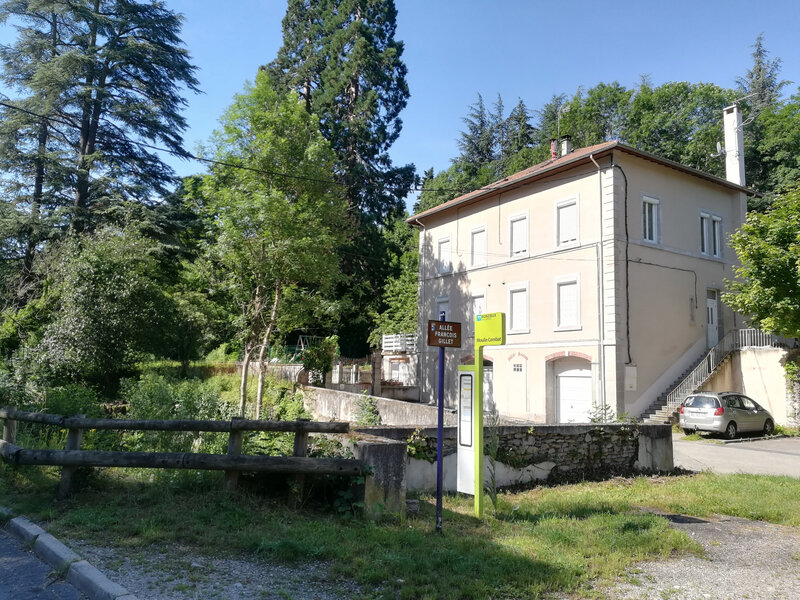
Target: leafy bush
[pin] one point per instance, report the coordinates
(156, 397)
(367, 413)
(285, 408)
(318, 359)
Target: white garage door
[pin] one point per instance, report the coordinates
(574, 395)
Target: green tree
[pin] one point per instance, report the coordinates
(109, 309)
(767, 284)
(761, 90)
(478, 143)
(520, 134)
(35, 180)
(342, 58)
(597, 116)
(679, 121)
(274, 236)
(400, 290)
(105, 75)
(779, 145)
(761, 82)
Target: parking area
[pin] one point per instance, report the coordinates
(776, 456)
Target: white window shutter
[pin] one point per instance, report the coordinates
(479, 248)
(519, 236)
(519, 310)
(567, 223)
(568, 304)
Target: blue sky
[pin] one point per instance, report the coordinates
(522, 49)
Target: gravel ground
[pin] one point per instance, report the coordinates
(744, 560)
(173, 574)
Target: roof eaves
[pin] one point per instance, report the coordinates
(517, 179)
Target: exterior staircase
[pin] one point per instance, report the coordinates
(665, 407)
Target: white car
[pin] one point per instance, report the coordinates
(724, 412)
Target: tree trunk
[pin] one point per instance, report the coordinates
(32, 229)
(264, 345)
(90, 110)
(243, 385)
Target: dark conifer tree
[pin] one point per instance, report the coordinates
(341, 56)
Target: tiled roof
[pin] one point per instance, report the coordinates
(581, 155)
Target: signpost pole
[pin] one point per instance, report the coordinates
(439, 433)
(490, 330)
(477, 434)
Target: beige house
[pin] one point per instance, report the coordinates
(608, 262)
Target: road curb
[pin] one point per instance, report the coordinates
(82, 575)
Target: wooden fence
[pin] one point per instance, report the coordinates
(232, 463)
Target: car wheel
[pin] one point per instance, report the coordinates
(730, 430)
(688, 431)
(769, 427)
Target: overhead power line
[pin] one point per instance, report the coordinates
(189, 156)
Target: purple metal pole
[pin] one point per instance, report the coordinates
(439, 434)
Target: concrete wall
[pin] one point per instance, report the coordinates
(332, 404)
(758, 373)
(530, 453)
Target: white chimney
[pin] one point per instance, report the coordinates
(734, 144)
(566, 145)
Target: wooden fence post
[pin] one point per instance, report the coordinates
(74, 437)
(10, 431)
(234, 449)
(300, 449)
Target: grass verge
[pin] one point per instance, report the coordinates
(544, 540)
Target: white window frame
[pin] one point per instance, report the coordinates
(444, 267)
(711, 234)
(511, 220)
(572, 279)
(519, 286)
(475, 294)
(655, 203)
(480, 260)
(573, 201)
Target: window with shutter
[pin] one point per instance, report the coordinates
(443, 260)
(478, 248)
(567, 223)
(568, 316)
(518, 307)
(519, 236)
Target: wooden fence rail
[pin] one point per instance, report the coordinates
(232, 463)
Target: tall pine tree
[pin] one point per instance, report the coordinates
(341, 57)
(113, 74)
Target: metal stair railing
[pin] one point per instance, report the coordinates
(733, 340)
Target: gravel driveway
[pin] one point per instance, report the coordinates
(744, 559)
(173, 574)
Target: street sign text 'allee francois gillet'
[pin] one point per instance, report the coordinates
(445, 334)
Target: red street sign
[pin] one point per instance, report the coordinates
(445, 334)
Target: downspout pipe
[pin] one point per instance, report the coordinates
(600, 293)
(421, 279)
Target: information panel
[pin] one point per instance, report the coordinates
(465, 399)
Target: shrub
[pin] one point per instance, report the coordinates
(367, 413)
(155, 397)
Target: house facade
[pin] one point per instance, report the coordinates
(609, 263)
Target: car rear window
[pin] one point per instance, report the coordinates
(701, 402)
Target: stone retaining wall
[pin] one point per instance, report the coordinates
(528, 453)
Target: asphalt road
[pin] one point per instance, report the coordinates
(24, 577)
(779, 456)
